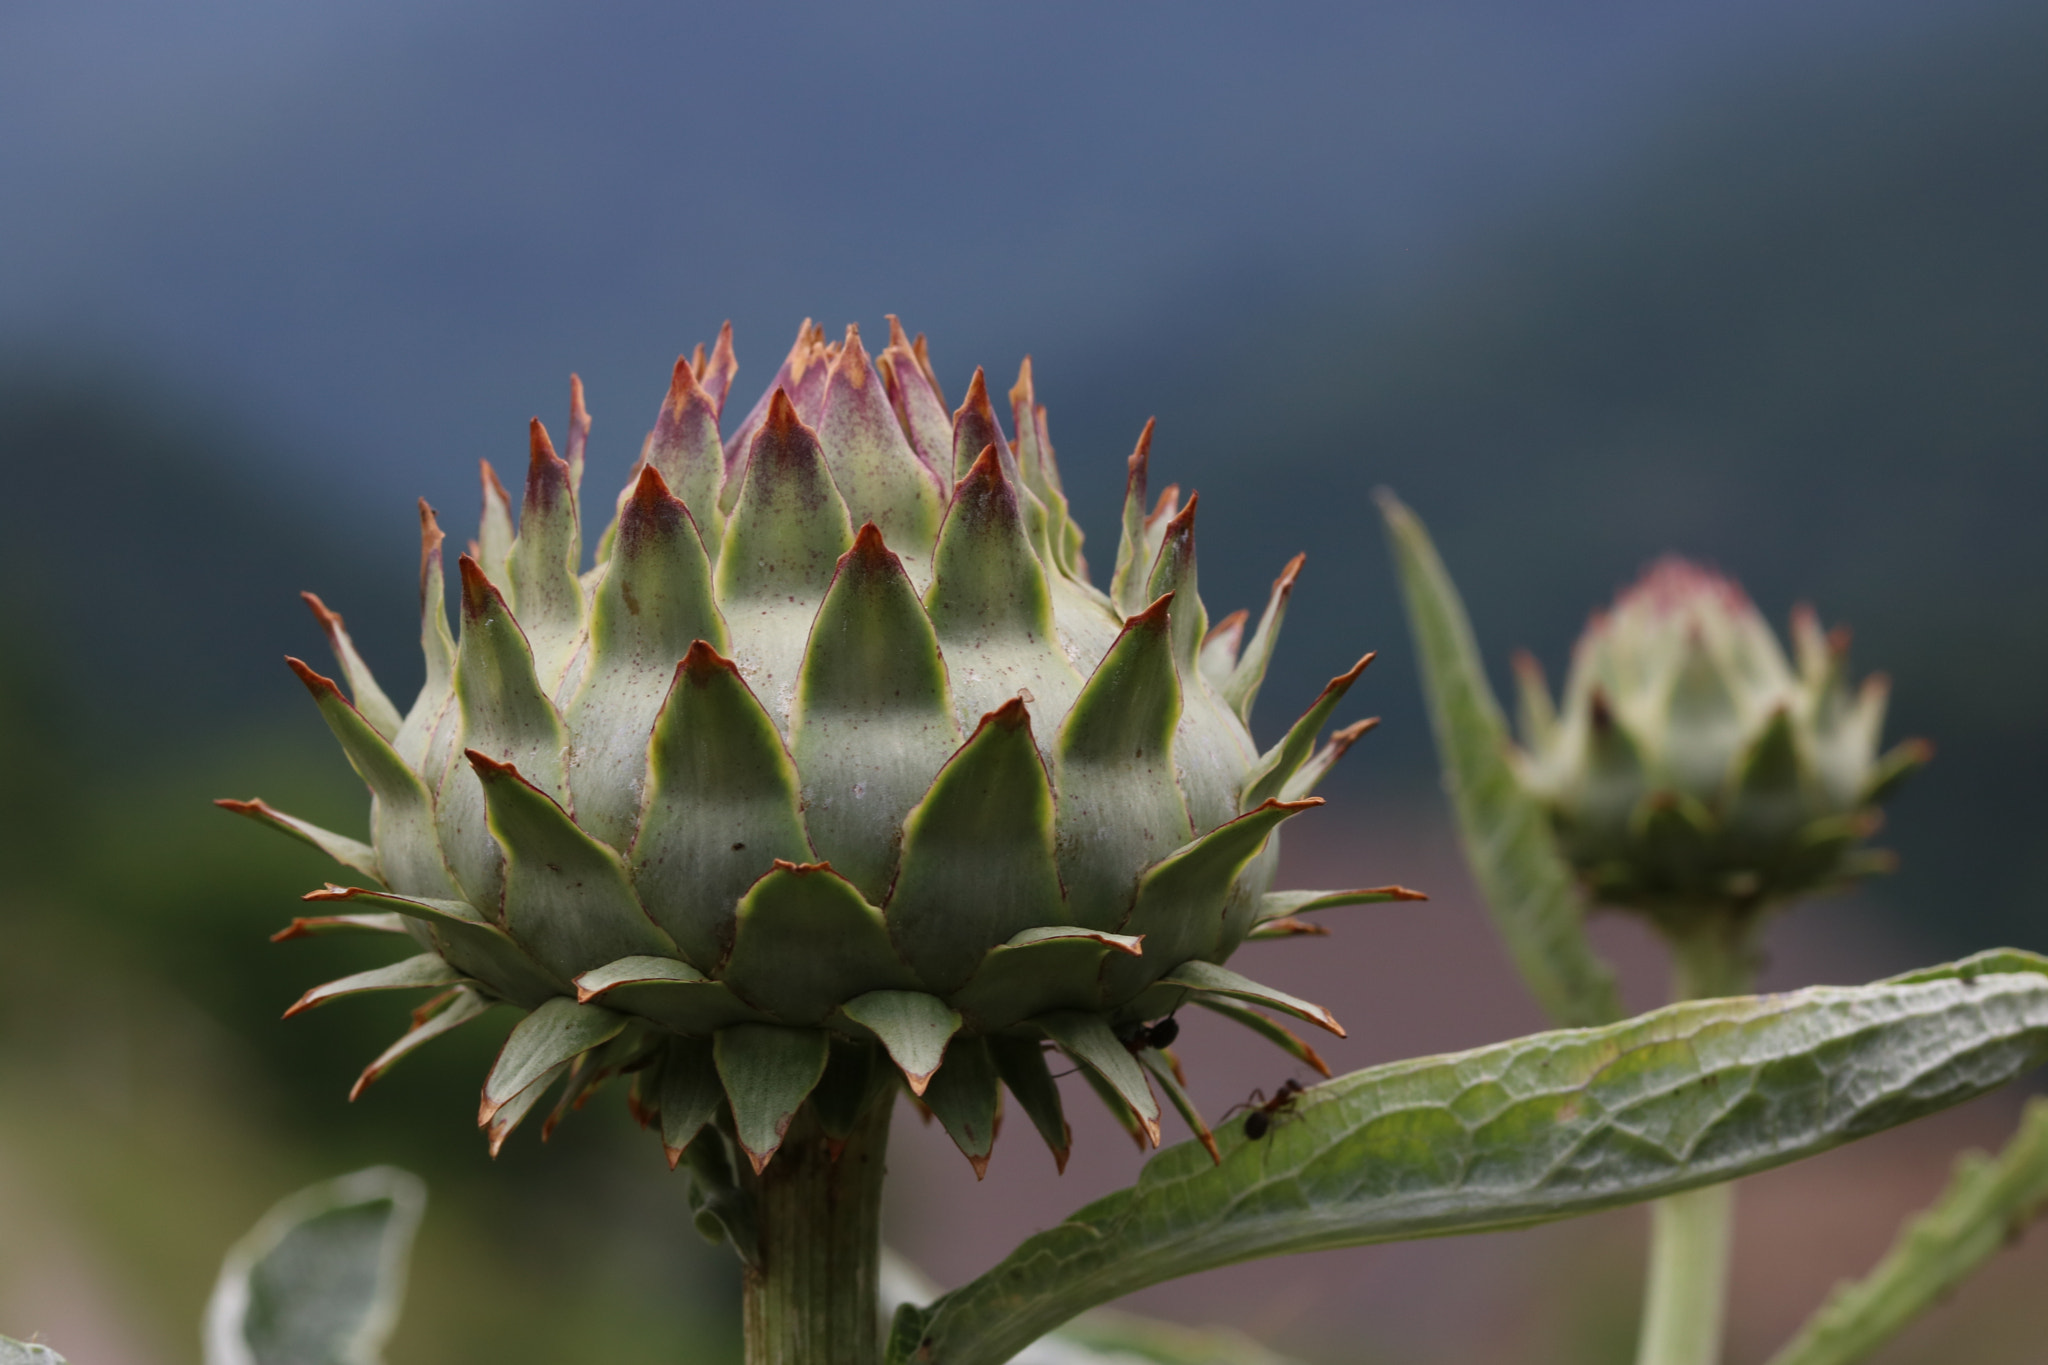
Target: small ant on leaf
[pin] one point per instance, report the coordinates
(1159, 1034)
(1265, 1112)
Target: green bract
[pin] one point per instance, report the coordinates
(1693, 767)
(834, 753)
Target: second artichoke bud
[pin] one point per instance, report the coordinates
(1692, 769)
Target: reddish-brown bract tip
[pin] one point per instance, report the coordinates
(547, 474)
(1167, 506)
(720, 369)
(986, 469)
(329, 619)
(479, 594)
(702, 662)
(1284, 584)
(1231, 625)
(1140, 462)
(1343, 739)
(1182, 525)
(869, 553)
(431, 537)
(1022, 400)
(1153, 617)
(493, 486)
(318, 684)
(852, 360)
(782, 422)
(490, 769)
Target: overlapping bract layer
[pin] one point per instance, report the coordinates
(835, 753)
(1692, 767)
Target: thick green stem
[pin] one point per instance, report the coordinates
(812, 1298)
(1686, 1299)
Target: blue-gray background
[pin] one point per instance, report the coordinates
(1584, 282)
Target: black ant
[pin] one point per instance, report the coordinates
(1265, 1112)
(1138, 1037)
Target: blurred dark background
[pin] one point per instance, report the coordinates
(1583, 282)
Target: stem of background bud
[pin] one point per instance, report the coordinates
(1686, 1299)
(814, 1297)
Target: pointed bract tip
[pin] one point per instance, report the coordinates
(987, 468)
(650, 491)
(493, 485)
(539, 446)
(1343, 739)
(489, 769)
(852, 360)
(701, 661)
(1153, 617)
(682, 382)
(782, 420)
(1526, 665)
(1232, 624)
(1349, 677)
(579, 415)
(980, 1165)
(896, 336)
(1284, 584)
(1020, 392)
(1168, 504)
(1275, 803)
(1011, 715)
(1060, 1154)
(329, 619)
(431, 534)
(868, 550)
(1183, 523)
(546, 472)
(316, 682)
(479, 594)
(1141, 457)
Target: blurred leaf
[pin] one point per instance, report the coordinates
(1518, 1133)
(319, 1279)
(14, 1352)
(1987, 1204)
(1527, 887)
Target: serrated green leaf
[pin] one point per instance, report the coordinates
(652, 605)
(1986, 1205)
(541, 570)
(1038, 972)
(914, 1028)
(1278, 765)
(1088, 1040)
(963, 1095)
(978, 865)
(990, 605)
(807, 942)
(1120, 809)
(1528, 888)
(1181, 904)
(319, 1279)
(767, 1071)
(872, 463)
(567, 898)
(786, 533)
(402, 816)
(414, 973)
(873, 721)
(471, 944)
(556, 1033)
(690, 1094)
(350, 853)
(722, 806)
(1511, 1135)
(1021, 1063)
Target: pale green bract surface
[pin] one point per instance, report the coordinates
(834, 745)
(1523, 1132)
(319, 1280)
(1526, 884)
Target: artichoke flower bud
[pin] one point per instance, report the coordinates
(1693, 769)
(833, 772)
